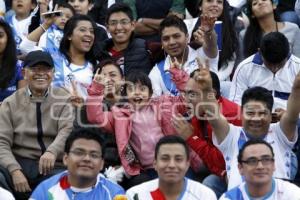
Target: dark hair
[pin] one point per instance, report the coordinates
(254, 33)
(68, 31)
(258, 94)
(139, 77)
(90, 1)
(119, 7)
(274, 47)
(253, 142)
(172, 139)
(173, 21)
(9, 57)
(230, 43)
(84, 133)
(66, 5)
(215, 82)
(108, 61)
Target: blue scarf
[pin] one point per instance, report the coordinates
(53, 38)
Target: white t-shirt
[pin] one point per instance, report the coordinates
(55, 35)
(21, 26)
(189, 66)
(81, 74)
(192, 190)
(281, 190)
(253, 72)
(236, 137)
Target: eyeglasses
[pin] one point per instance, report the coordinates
(254, 161)
(189, 94)
(122, 22)
(82, 154)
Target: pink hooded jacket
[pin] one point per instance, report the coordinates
(118, 120)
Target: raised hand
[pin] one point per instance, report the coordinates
(99, 78)
(203, 77)
(207, 23)
(48, 20)
(199, 36)
(175, 63)
(75, 98)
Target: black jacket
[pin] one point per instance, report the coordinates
(136, 55)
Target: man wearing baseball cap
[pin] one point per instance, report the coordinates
(35, 122)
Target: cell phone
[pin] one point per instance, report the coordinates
(57, 13)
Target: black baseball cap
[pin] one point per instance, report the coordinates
(38, 57)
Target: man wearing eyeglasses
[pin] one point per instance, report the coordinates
(257, 105)
(35, 122)
(256, 165)
(82, 181)
(129, 52)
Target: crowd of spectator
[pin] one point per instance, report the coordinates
(149, 99)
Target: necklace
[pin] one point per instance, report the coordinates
(181, 64)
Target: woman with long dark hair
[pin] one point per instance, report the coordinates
(10, 71)
(229, 54)
(264, 19)
(74, 64)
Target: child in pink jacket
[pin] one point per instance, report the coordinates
(139, 123)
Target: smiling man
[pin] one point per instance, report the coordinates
(171, 161)
(256, 165)
(82, 180)
(257, 103)
(174, 40)
(129, 52)
(35, 122)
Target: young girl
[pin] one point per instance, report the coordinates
(139, 123)
(49, 34)
(11, 77)
(263, 20)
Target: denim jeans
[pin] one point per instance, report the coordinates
(216, 183)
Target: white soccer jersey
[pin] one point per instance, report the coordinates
(281, 190)
(157, 79)
(192, 191)
(252, 72)
(235, 139)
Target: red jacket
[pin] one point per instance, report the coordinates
(201, 141)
